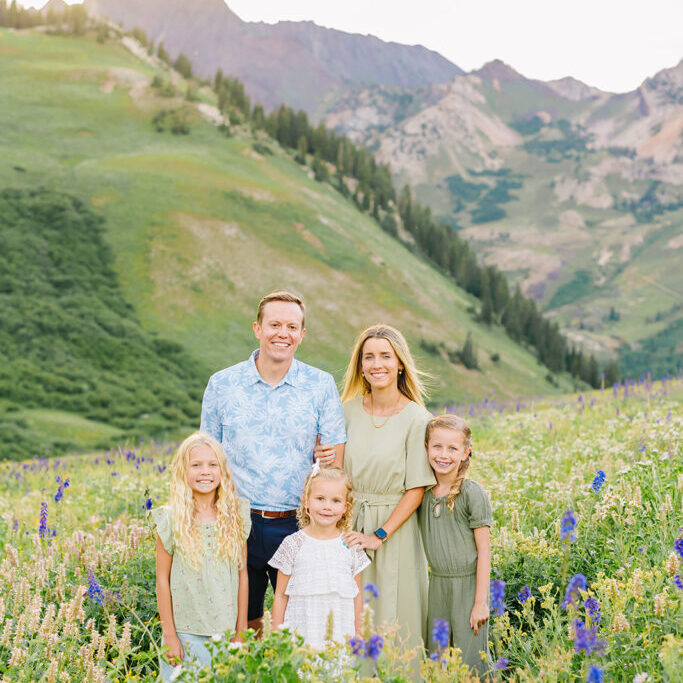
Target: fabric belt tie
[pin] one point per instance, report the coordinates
(458, 572)
(367, 500)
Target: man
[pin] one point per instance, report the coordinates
(268, 412)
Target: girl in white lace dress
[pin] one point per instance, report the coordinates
(317, 572)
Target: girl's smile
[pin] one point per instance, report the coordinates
(203, 472)
(326, 503)
(446, 449)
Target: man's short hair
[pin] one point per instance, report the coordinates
(281, 296)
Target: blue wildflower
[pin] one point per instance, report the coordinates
(147, 505)
(586, 639)
(498, 597)
(598, 481)
(441, 632)
(434, 656)
(678, 547)
(357, 646)
(524, 594)
(567, 526)
(501, 663)
(593, 609)
(576, 583)
(678, 582)
(94, 589)
(372, 589)
(595, 675)
(42, 526)
(374, 646)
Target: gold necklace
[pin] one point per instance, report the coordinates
(372, 410)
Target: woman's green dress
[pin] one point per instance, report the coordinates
(448, 539)
(382, 464)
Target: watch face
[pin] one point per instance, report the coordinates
(381, 534)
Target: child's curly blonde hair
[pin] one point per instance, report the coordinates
(325, 474)
(456, 424)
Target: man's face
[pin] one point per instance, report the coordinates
(280, 332)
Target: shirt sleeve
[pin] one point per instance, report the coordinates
(359, 561)
(210, 421)
(162, 519)
(418, 470)
(285, 555)
(245, 510)
(478, 507)
(331, 425)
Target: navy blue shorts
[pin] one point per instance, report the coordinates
(264, 539)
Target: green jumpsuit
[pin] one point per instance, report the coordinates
(448, 539)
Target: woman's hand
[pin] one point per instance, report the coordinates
(356, 538)
(325, 455)
(174, 650)
(479, 616)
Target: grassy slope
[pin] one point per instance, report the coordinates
(201, 226)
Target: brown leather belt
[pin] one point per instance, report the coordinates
(273, 514)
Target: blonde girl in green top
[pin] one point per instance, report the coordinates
(454, 520)
(201, 573)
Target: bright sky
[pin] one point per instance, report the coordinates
(610, 44)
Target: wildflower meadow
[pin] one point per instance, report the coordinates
(587, 566)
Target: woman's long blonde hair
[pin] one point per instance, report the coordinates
(229, 530)
(456, 424)
(325, 474)
(410, 382)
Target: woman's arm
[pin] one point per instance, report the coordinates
(480, 610)
(405, 507)
(358, 606)
(164, 561)
(280, 600)
(242, 597)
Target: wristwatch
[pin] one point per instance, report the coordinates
(381, 534)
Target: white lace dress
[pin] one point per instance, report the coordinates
(321, 580)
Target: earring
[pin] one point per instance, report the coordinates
(400, 371)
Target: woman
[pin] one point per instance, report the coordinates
(386, 461)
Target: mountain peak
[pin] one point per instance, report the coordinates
(497, 69)
(573, 89)
(56, 6)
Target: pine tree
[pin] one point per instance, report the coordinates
(468, 354)
(301, 150)
(162, 54)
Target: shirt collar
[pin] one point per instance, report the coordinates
(253, 375)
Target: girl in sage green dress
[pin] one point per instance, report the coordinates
(454, 519)
(388, 468)
(202, 584)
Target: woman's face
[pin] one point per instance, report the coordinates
(379, 363)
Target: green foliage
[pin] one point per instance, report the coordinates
(183, 66)
(162, 54)
(468, 354)
(175, 120)
(571, 142)
(463, 189)
(529, 126)
(660, 355)
(68, 339)
(579, 286)
(139, 35)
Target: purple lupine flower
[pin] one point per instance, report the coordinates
(147, 505)
(593, 609)
(678, 547)
(501, 663)
(372, 589)
(441, 632)
(94, 589)
(374, 646)
(678, 582)
(598, 481)
(498, 597)
(576, 583)
(595, 675)
(524, 594)
(586, 639)
(42, 526)
(357, 646)
(567, 526)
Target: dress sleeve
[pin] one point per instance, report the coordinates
(162, 520)
(418, 470)
(245, 511)
(478, 507)
(286, 554)
(359, 561)
(210, 421)
(331, 415)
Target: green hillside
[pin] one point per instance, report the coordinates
(200, 226)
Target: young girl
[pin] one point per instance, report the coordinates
(317, 572)
(454, 518)
(202, 585)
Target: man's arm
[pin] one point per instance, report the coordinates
(210, 421)
(329, 448)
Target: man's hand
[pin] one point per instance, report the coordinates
(325, 455)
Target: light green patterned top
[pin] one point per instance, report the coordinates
(204, 600)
